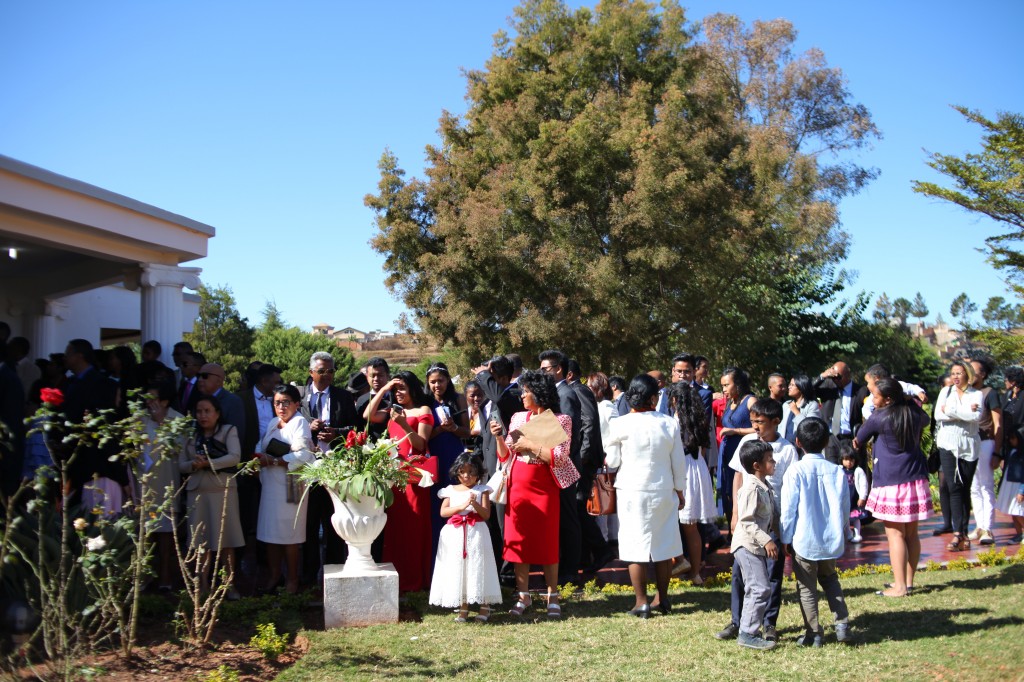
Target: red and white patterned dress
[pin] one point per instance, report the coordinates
(532, 511)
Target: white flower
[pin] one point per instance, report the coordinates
(393, 453)
(80, 524)
(95, 544)
(427, 479)
(368, 449)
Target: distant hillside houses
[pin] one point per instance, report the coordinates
(355, 339)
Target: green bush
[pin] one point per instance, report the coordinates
(268, 642)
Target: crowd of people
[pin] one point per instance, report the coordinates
(795, 470)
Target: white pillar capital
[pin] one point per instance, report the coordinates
(155, 275)
(162, 307)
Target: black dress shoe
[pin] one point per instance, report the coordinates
(641, 612)
(664, 606)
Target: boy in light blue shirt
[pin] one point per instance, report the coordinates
(815, 521)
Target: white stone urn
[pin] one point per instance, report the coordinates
(358, 523)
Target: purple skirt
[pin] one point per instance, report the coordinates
(901, 503)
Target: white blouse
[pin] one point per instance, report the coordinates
(958, 417)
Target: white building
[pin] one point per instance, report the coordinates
(78, 261)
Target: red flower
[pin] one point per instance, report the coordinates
(52, 396)
(350, 439)
(361, 438)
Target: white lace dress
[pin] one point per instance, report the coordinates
(472, 579)
(699, 494)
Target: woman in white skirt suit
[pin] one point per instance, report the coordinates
(282, 518)
(649, 486)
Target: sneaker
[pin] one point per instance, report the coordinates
(856, 538)
(730, 632)
(843, 633)
(986, 538)
(975, 535)
(770, 633)
(1016, 539)
(810, 639)
(754, 642)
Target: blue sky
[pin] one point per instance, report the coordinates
(266, 120)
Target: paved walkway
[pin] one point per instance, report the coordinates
(873, 550)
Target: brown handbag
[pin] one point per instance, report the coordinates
(602, 495)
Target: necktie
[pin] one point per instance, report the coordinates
(837, 416)
(185, 392)
(314, 406)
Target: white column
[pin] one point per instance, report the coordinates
(162, 308)
(41, 328)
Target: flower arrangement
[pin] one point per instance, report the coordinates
(359, 468)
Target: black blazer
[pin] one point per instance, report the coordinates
(591, 447)
(90, 393)
(829, 395)
(342, 413)
(508, 402)
(570, 405)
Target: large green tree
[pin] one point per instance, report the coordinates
(990, 183)
(290, 349)
(221, 333)
(625, 183)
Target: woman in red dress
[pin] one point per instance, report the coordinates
(407, 533)
(536, 478)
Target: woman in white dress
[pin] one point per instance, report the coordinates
(282, 517)
(649, 484)
(699, 493)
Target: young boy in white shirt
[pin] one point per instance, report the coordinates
(765, 416)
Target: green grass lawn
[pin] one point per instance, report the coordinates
(959, 625)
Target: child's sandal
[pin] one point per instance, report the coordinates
(485, 613)
(522, 604)
(463, 616)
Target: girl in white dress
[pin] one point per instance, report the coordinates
(465, 571)
(282, 517)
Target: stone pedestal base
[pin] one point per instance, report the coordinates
(360, 597)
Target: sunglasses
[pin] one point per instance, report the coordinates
(322, 372)
(207, 375)
(282, 403)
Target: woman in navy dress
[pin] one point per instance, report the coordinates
(450, 427)
(735, 425)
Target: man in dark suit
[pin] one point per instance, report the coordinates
(378, 373)
(258, 404)
(502, 400)
(618, 386)
(595, 549)
(188, 391)
(86, 393)
(331, 413)
(841, 402)
(570, 540)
